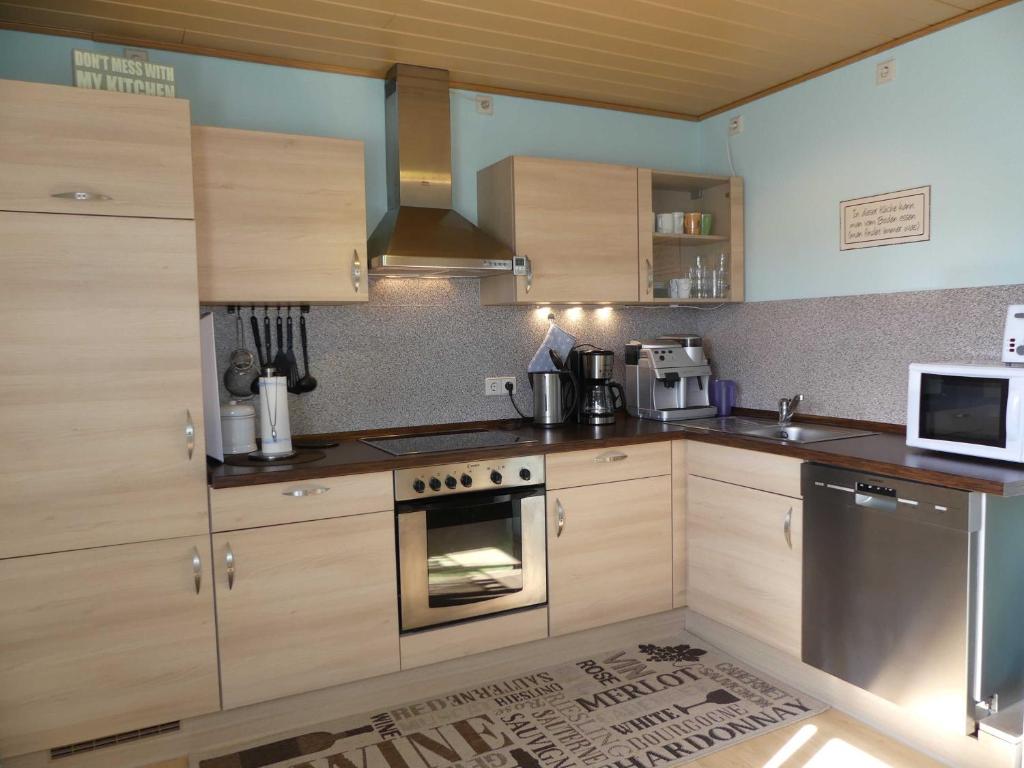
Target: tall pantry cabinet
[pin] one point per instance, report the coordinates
(106, 589)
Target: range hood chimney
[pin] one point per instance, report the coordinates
(420, 235)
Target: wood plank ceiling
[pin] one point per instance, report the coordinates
(686, 58)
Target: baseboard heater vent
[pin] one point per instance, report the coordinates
(118, 738)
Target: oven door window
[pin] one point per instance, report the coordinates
(474, 552)
(964, 409)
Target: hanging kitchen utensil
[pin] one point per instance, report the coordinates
(307, 383)
(281, 358)
(293, 364)
(254, 388)
(241, 373)
(267, 343)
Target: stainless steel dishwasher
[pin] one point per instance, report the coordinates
(895, 598)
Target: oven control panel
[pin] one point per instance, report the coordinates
(468, 476)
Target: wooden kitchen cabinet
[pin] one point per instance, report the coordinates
(576, 221)
(664, 256)
(100, 400)
(249, 506)
(101, 641)
(280, 219)
(305, 606)
(609, 553)
(744, 560)
(123, 154)
(606, 465)
(753, 469)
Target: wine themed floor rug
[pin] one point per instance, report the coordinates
(650, 705)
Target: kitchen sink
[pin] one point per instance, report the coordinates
(770, 430)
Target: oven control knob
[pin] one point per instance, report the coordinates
(524, 473)
(466, 480)
(435, 484)
(419, 486)
(450, 481)
(496, 477)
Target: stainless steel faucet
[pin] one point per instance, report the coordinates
(787, 407)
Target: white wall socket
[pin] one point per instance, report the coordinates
(885, 71)
(484, 104)
(495, 385)
(735, 125)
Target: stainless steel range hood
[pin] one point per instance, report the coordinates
(420, 235)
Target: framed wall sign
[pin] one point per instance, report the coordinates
(103, 72)
(888, 219)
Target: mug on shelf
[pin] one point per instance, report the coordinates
(663, 223)
(691, 223)
(679, 288)
(677, 221)
(706, 220)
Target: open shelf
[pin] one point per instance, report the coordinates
(680, 239)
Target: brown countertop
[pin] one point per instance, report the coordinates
(884, 453)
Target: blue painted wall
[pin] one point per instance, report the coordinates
(953, 118)
(240, 94)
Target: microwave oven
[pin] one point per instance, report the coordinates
(973, 409)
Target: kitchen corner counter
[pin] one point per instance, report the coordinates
(884, 453)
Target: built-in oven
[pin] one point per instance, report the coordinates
(471, 540)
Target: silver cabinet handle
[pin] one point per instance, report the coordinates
(316, 490)
(529, 274)
(229, 560)
(787, 528)
(357, 270)
(190, 434)
(197, 569)
(650, 277)
(559, 516)
(608, 458)
(82, 196)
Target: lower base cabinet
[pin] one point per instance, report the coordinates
(609, 553)
(744, 560)
(305, 605)
(101, 641)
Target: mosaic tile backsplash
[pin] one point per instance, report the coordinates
(418, 352)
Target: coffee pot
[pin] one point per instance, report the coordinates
(600, 397)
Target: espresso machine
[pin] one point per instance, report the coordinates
(667, 379)
(600, 397)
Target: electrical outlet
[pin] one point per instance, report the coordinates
(735, 125)
(495, 385)
(484, 104)
(885, 71)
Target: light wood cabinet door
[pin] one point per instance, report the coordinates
(753, 469)
(128, 155)
(576, 221)
(744, 560)
(309, 605)
(279, 218)
(607, 465)
(249, 506)
(101, 641)
(99, 332)
(609, 553)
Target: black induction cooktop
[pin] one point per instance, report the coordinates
(445, 441)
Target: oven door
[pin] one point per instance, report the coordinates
(470, 555)
(964, 410)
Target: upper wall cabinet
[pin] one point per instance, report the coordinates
(577, 223)
(71, 150)
(279, 218)
(708, 263)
